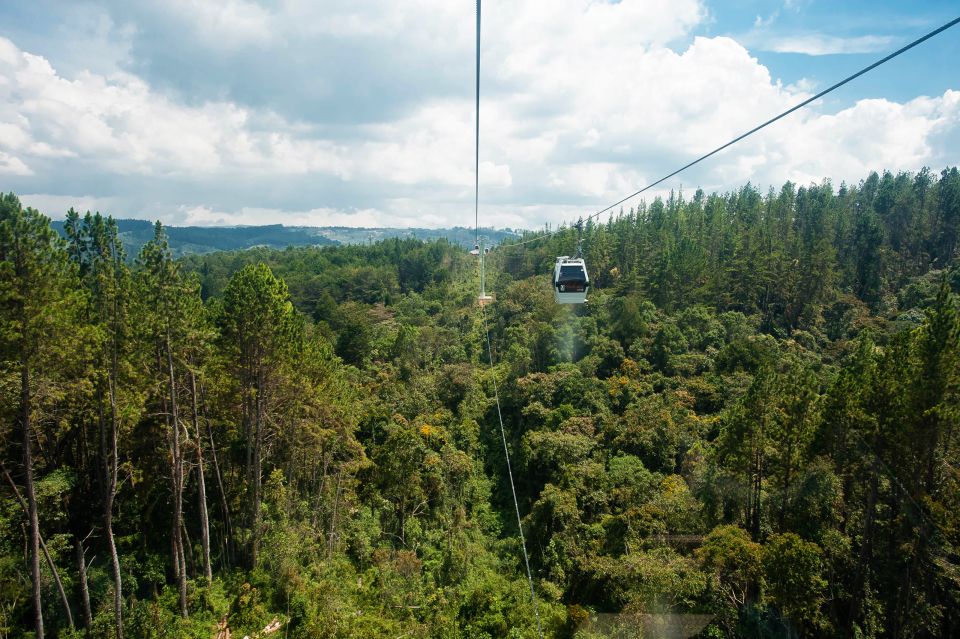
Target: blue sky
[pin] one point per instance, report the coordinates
(880, 26)
(339, 112)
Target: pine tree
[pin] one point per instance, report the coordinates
(170, 316)
(747, 438)
(38, 316)
(260, 330)
(94, 246)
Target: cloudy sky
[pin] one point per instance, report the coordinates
(361, 112)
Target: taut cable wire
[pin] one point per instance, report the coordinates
(476, 139)
(513, 490)
(829, 89)
(486, 331)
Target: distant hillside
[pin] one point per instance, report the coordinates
(194, 240)
(458, 234)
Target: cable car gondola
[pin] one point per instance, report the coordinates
(570, 280)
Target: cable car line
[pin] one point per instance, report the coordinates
(796, 107)
(574, 289)
(483, 300)
(476, 147)
(895, 481)
(513, 491)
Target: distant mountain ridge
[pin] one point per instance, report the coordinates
(195, 240)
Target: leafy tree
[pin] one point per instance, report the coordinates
(754, 418)
(735, 564)
(793, 570)
(791, 435)
(746, 440)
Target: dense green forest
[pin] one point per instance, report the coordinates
(751, 423)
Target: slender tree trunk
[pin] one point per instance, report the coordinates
(115, 564)
(84, 586)
(189, 560)
(34, 520)
(333, 517)
(177, 462)
(112, 461)
(43, 547)
(785, 499)
(224, 507)
(248, 433)
(904, 598)
(257, 469)
(323, 484)
(758, 481)
(201, 486)
(866, 551)
(58, 581)
(176, 554)
(249, 424)
(112, 468)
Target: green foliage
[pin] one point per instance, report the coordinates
(734, 562)
(754, 418)
(793, 569)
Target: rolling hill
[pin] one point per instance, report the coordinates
(195, 240)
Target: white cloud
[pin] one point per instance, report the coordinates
(761, 23)
(803, 85)
(122, 126)
(821, 44)
(223, 23)
(10, 165)
(56, 206)
(583, 102)
(795, 5)
(872, 134)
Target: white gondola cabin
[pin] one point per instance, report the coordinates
(570, 280)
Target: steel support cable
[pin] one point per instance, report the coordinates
(924, 516)
(839, 84)
(513, 490)
(476, 139)
(486, 331)
(940, 554)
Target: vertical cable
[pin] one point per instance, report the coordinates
(486, 331)
(476, 140)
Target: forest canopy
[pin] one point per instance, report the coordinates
(751, 423)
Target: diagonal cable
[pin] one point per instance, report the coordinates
(513, 490)
(829, 89)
